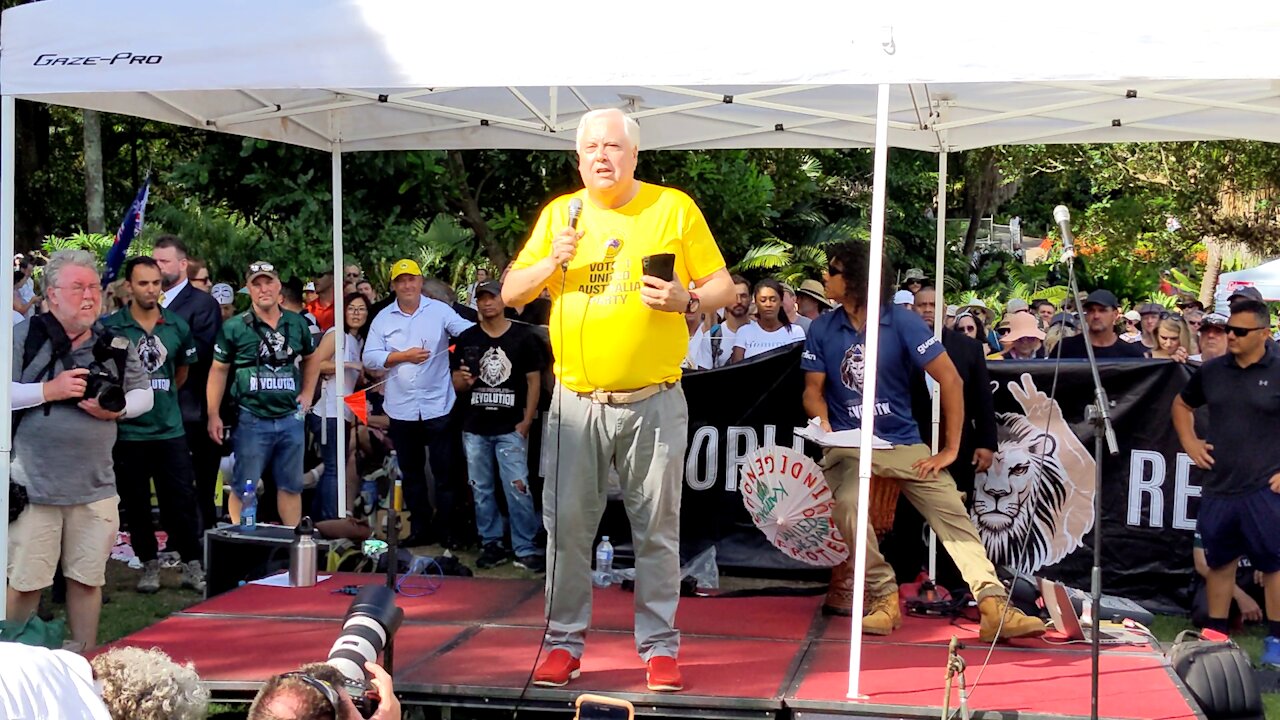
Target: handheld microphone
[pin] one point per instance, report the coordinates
(1063, 217)
(575, 212)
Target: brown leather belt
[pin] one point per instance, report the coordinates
(626, 397)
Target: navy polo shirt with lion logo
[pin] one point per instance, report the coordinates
(835, 348)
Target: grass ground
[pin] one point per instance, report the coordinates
(127, 612)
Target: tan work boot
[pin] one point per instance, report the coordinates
(884, 615)
(840, 591)
(1017, 624)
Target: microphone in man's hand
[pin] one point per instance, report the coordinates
(1063, 217)
(575, 212)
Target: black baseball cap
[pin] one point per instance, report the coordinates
(1248, 292)
(493, 287)
(1063, 318)
(1105, 298)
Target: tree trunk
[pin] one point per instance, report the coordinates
(1212, 268)
(93, 186)
(472, 215)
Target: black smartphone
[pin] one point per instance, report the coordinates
(660, 265)
(599, 707)
(471, 358)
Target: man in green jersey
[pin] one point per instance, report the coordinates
(273, 386)
(154, 446)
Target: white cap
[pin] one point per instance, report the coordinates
(904, 297)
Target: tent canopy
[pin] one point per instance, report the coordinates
(1264, 277)
(382, 75)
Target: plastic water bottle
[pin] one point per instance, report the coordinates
(249, 507)
(603, 576)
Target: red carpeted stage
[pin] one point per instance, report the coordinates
(473, 641)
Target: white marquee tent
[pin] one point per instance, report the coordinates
(1264, 277)
(358, 75)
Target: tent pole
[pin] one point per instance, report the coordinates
(7, 137)
(939, 314)
(870, 352)
(339, 334)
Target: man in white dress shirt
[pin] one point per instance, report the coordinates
(410, 339)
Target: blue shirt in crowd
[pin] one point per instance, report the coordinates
(835, 348)
(415, 392)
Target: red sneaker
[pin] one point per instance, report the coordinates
(557, 670)
(664, 674)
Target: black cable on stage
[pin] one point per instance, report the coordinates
(555, 508)
(1022, 551)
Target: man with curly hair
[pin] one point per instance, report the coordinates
(122, 684)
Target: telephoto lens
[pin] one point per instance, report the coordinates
(372, 619)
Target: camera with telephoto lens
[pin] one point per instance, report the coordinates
(104, 382)
(372, 619)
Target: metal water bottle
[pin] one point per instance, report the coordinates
(302, 555)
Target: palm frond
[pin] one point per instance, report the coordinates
(769, 256)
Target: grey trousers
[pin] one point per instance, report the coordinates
(646, 443)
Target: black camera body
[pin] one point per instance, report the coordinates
(105, 381)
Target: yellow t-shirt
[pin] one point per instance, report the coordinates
(603, 335)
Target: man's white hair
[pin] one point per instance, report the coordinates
(67, 258)
(629, 125)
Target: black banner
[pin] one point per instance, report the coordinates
(1038, 495)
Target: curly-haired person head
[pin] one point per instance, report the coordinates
(848, 265)
(142, 684)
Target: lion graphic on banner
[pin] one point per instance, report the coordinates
(1034, 505)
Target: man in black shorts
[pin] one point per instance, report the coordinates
(1240, 509)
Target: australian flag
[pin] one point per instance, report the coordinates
(130, 227)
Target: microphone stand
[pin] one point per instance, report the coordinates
(1099, 415)
(393, 565)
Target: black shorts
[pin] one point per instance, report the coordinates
(1238, 526)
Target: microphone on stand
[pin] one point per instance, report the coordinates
(1063, 217)
(575, 212)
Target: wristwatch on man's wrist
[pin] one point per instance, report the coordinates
(694, 303)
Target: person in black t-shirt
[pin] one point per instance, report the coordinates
(497, 372)
(1240, 505)
(1101, 309)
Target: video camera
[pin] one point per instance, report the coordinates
(105, 381)
(372, 619)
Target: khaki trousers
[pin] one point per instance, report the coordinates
(645, 441)
(937, 500)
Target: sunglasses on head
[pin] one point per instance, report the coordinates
(329, 692)
(262, 267)
(1239, 331)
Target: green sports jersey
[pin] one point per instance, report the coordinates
(266, 361)
(168, 346)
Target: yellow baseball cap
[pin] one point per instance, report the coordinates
(405, 267)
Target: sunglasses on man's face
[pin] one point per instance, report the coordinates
(1241, 332)
(833, 271)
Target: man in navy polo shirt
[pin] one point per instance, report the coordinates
(835, 367)
(1240, 505)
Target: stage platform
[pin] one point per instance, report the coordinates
(472, 643)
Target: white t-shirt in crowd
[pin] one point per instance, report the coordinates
(755, 340)
(328, 405)
(699, 355)
(726, 337)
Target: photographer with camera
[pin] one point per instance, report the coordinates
(72, 380)
(273, 386)
(154, 446)
(349, 684)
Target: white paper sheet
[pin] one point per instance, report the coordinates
(282, 580)
(839, 438)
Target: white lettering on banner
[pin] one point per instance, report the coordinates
(1183, 492)
(705, 445)
(161, 384)
(1140, 485)
(703, 462)
(1147, 469)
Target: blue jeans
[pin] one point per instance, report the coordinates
(324, 506)
(278, 441)
(511, 451)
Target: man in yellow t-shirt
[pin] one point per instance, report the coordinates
(619, 338)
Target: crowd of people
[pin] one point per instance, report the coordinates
(208, 377)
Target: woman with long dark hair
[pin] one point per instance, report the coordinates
(356, 316)
(772, 328)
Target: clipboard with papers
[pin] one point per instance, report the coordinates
(813, 432)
